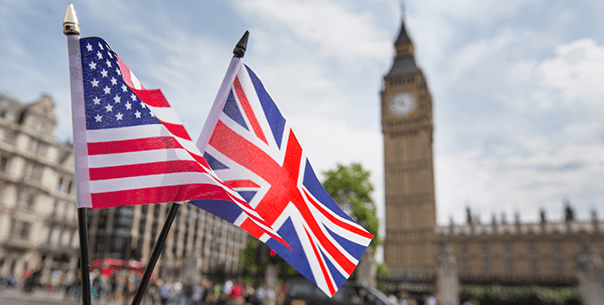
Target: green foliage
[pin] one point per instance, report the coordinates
(350, 186)
(256, 258)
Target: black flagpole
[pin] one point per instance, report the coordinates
(159, 245)
(84, 261)
(71, 28)
(238, 52)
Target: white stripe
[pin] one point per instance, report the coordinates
(131, 183)
(165, 114)
(127, 133)
(139, 157)
(361, 240)
(254, 101)
(135, 82)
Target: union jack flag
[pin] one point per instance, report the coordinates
(252, 148)
(131, 148)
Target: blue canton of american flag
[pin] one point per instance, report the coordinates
(252, 148)
(137, 150)
(110, 103)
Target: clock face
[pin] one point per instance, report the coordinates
(402, 104)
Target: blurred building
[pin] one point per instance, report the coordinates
(38, 225)
(407, 125)
(501, 252)
(516, 252)
(38, 219)
(198, 243)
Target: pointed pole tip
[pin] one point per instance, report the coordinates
(71, 26)
(239, 50)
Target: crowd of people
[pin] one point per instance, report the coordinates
(120, 288)
(231, 292)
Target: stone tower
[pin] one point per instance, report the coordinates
(408, 127)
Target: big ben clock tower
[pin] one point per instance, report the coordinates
(407, 126)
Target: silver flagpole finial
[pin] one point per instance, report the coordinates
(71, 26)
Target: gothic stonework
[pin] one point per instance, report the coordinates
(407, 126)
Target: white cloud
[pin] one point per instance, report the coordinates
(338, 32)
(575, 73)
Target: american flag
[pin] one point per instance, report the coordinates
(137, 150)
(250, 145)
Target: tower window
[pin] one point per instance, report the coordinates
(25, 228)
(485, 249)
(507, 248)
(3, 163)
(532, 248)
(560, 268)
(463, 248)
(486, 266)
(464, 267)
(509, 266)
(534, 266)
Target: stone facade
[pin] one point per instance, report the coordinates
(198, 243)
(543, 252)
(38, 225)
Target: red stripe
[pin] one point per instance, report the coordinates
(124, 146)
(177, 130)
(154, 98)
(321, 264)
(251, 227)
(170, 193)
(241, 184)
(248, 110)
(144, 169)
(336, 221)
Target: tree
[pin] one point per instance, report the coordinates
(349, 186)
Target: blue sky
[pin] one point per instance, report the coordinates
(517, 85)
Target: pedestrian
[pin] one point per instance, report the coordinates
(236, 296)
(261, 294)
(164, 291)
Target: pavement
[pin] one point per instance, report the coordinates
(16, 296)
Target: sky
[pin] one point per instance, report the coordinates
(517, 85)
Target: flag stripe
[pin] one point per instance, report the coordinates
(321, 264)
(147, 156)
(132, 145)
(127, 133)
(164, 193)
(143, 169)
(248, 110)
(236, 184)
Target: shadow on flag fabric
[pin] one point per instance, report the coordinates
(132, 149)
(251, 147)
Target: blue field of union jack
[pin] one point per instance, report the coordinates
(251, 147)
